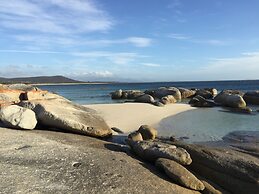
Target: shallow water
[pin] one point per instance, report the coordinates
(207, 124)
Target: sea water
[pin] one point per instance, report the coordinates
(99, 93)
(199, 125)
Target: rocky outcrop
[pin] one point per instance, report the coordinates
(252, 97)
(186, 93)
(13, 96)
(117, 94)
(213, 91)
(228, 99)
(135, 136)
(235, 171)
(146, 98)
(169, 99)
(17, 117)
(147, 132)
(41, 95)
(151, 151)
(199, 101)
(131, 94)
(204, 93)
(179, 174)
(65, 115)
(22, 87)
(163, 91)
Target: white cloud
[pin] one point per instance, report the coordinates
(179, 36)
(151, 64)
(31, 51)
(213, 42)
(54, 16)
(245, 66)
(120, 58)
(21, 70)
(96, 74)
(45, 41)
(139, 41)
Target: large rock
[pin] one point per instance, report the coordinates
(132, 94)
(14, 116)
(135, 136)
(231, 100)
(151, 151)
(235, 171)
(213, 91)
(22, 87)
(199, 101)
(40, 95)
(146, 98)
(186, 93)
(65, 115)
(117, 94)
(204, 93)
(11, 95)
(252, 97)
(147, 132)
(161, 92)
(179, 174)
(169, 99)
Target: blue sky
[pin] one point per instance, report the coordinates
(130, 40)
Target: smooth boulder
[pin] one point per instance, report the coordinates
(235, 171)
(169, 99)
(151, 151)
(252, 97)
(230, 100)
(186, 93)
(163, 91)
(146, 98)
(40, 95)
(22, 87)
(117, 94)
(17, 117)
(179, 174)
(131, 94)
(199, 101)
(135, 136)
(148, 132)
(65, 115)
(204, 93)
(14, 96)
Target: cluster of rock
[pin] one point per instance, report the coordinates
(158, 97)
(196, 167)
(24, 107)
(235, 100)
(167, 158)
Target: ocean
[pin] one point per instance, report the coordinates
(99, 93)
(200, 125)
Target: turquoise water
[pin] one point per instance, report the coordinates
(207, 124)
(99, 93)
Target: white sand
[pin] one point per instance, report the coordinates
(129, 116)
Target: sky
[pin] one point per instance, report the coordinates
(130, 40)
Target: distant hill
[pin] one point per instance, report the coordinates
(39, 80)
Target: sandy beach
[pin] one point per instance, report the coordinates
(129, 116)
